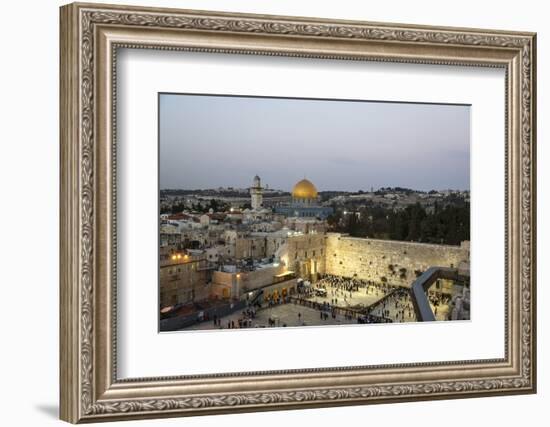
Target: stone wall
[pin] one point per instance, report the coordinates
(304, 254)
(250, 280)
(241, 282)
(309, 255)
(399, 262)
(258, 246)
(250, 247)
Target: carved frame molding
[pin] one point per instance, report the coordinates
(90, 36)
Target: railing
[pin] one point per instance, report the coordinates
(348, 312)
(384, 298)
(419, 290)
(256, 297)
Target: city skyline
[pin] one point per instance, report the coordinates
(206, 139)
(270, 188)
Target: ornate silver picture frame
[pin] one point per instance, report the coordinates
(91, 35)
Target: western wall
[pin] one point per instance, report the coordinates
(399, 262)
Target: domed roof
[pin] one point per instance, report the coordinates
(304, 189)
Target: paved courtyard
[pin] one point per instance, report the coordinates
(397, 307)
(346, 299)
(282, 314)
(287, 314)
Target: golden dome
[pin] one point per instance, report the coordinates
(304, 190)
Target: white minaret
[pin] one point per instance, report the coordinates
(256, 193)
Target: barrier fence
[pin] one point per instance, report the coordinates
(349, 313)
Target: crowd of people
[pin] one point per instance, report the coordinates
(244, 321)
(393, 303)
(334, 296)
(438, 300)
(397, 306)
(341, 290)
(325, 309)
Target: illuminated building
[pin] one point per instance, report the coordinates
(305, 202)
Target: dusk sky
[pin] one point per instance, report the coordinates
(218, 141)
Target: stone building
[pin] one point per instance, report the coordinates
(256, 194)
(169, 238)
(184, 276)
(272, 280)
(256, 245)
(304, 254)
(306, 225)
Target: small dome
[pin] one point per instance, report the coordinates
(304, 189)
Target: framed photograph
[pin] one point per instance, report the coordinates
(266, 212)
